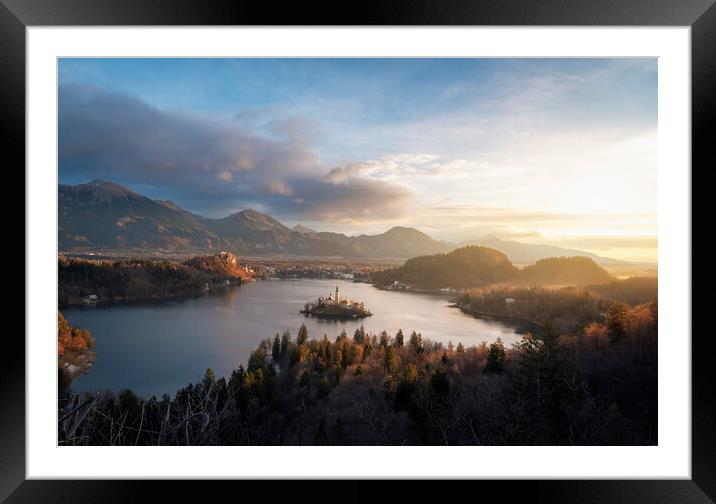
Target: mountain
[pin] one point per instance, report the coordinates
(463, 268)
(102, 215)
(565, 271)
(107, 215)
(519, 252)
(303, 229)
(400, 242)
(250, 231)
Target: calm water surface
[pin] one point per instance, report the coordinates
(158, 348)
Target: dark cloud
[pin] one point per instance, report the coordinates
(352, 199)
(207, 165)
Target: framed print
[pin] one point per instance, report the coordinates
(444, 242)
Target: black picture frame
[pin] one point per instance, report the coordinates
(700, 15)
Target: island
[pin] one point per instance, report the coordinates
(335, 307)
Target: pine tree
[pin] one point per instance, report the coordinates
(285, 344)
(302, 336)
(384, 339)
(359, 336)
(276, 349)
(542, 385)
(495, 357)
(399, 339)
(416, 342)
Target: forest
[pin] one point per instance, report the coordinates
(592, 384)
(475, 266)
(566, 308)
(144, 279)
(466, 267)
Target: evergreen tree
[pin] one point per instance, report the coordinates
(302, 336)
(399, 339)
(542, 384)
(384, 339)
(359, 336)
(276, 349)
(285, 344)
(416, 342)
(495, 357)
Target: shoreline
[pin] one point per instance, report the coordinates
(434, 292)
(497, 316)
(75, 363)
(145, 300)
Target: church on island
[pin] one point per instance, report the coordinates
(335, 307)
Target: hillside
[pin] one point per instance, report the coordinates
(144, 279)
(463, 268)
(631, 290)
(565, 271)
(103, 215)
(474, 266)
(106, 215)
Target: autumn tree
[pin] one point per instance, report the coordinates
(391, 361)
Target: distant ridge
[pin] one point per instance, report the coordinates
(520, 252)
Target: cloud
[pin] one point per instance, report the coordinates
(212, 166)
(350, 200)
(611, 241)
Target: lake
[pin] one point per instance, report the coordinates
(158, 348)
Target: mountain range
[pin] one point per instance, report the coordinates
(520, 252)
(102, 215)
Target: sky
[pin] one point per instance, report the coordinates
(555, 151)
